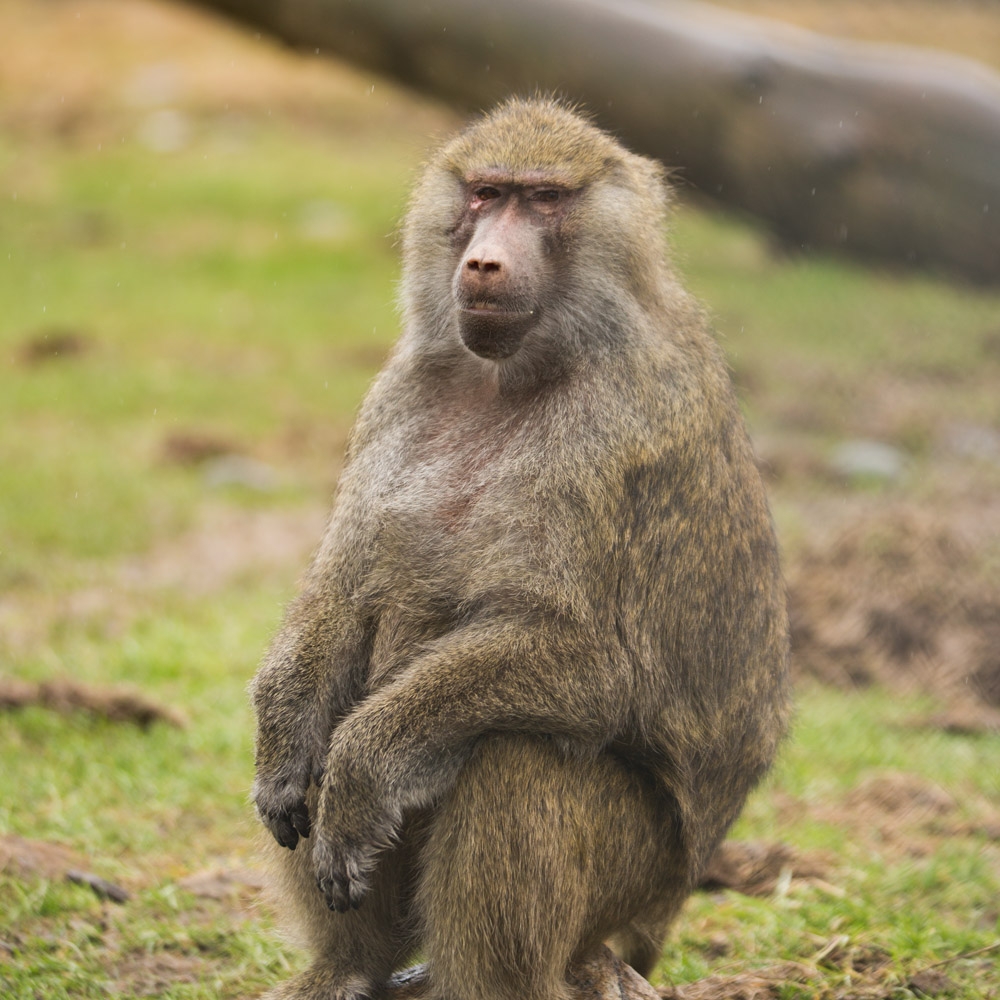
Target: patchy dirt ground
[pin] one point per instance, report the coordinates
(898, 597)
(114, 57)
(226, 545)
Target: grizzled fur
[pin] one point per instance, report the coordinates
(540, 657)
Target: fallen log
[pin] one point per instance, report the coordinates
(62, 695)
(880, 152)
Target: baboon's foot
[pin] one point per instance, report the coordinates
(322, 983)
(604, 976)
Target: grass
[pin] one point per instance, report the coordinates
(197, 303)
(239, 290)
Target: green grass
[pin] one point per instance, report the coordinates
(203, 304)
(790, 324)
(199, 303)
(921, 891)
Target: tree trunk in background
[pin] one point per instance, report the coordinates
(880, 152)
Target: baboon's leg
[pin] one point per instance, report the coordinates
(354, 953)
(535, 858)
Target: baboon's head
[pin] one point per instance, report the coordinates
(531, 220)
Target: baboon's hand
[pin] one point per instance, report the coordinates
(353, 825)
(281, 804)
(342, 871)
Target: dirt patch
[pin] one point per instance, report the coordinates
(932, 983)
(898, 597)
(228, 544)
(908, 817)
(142, 973)
(902, 814)
(27, 859)
(906, 798)
(37, 858)
(867, 973)
(121, 62)
(224, 884)
(194, 447)
(844, 954)
(762, 984)
(52, 344)
(961, 720)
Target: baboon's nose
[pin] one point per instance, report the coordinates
(483, 264)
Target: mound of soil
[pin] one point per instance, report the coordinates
(900, 597)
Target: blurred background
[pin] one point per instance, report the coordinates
(198, 252)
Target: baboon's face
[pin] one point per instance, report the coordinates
(507, 240)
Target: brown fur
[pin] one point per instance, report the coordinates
(540, 657)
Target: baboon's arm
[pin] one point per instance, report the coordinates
(404, 745)
(310, 679)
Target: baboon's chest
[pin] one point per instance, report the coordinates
(456, 518)
(442, 538)
(456, 482)
(445, 512)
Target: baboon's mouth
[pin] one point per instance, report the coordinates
(482, 307)
(494, 329)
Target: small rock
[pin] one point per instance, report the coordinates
(235, 470)
(103, 889)
(867, 460)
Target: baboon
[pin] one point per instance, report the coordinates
(539, 658)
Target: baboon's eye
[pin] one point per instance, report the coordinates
(546, 194)
(486, 193)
